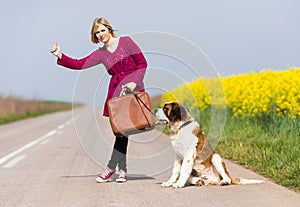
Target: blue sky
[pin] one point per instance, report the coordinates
(237, 37)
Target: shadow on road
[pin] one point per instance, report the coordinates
(129, 177)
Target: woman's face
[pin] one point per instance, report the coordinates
(103, 34)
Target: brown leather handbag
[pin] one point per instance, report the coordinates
(130, 114)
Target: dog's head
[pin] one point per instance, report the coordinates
(174, 113)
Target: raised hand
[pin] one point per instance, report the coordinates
(56, 50)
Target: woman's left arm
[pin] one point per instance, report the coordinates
(140, 61)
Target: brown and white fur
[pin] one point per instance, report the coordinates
(201, 165)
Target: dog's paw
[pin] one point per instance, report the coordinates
(200, 182)
(178, 185)
(226, 181)
(166, 184)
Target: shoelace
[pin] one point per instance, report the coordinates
(106, 172)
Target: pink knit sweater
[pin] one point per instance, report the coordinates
(126, 64)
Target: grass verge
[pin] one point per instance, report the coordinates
(268, 146)
(13, 109)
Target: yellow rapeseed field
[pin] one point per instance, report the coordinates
(267, 92)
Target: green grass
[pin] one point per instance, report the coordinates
(268, 145)
(11, 118)
(44, 107)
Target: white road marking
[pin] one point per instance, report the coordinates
(70, 121)
(45, 141)
(18, 151)
(41, 140)
(59, 132)
(14, 161)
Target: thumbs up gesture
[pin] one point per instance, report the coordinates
(56, 50)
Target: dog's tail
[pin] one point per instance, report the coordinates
(244, 181)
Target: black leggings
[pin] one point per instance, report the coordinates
(118, 156)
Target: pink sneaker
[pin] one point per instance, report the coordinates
(105, 176)
(122, 177)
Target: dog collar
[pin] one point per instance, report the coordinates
(185, 124)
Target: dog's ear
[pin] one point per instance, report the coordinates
(178, 113)
(187, 109)
(183, 112)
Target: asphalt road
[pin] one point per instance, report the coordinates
(52, 161)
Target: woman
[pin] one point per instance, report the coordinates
(126, 64)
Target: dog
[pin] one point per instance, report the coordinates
(196, 162)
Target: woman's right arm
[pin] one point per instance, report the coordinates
(91, 60)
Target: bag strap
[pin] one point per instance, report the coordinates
(140, 100)
(128, 91)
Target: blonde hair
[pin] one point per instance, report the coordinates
(96, 23)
